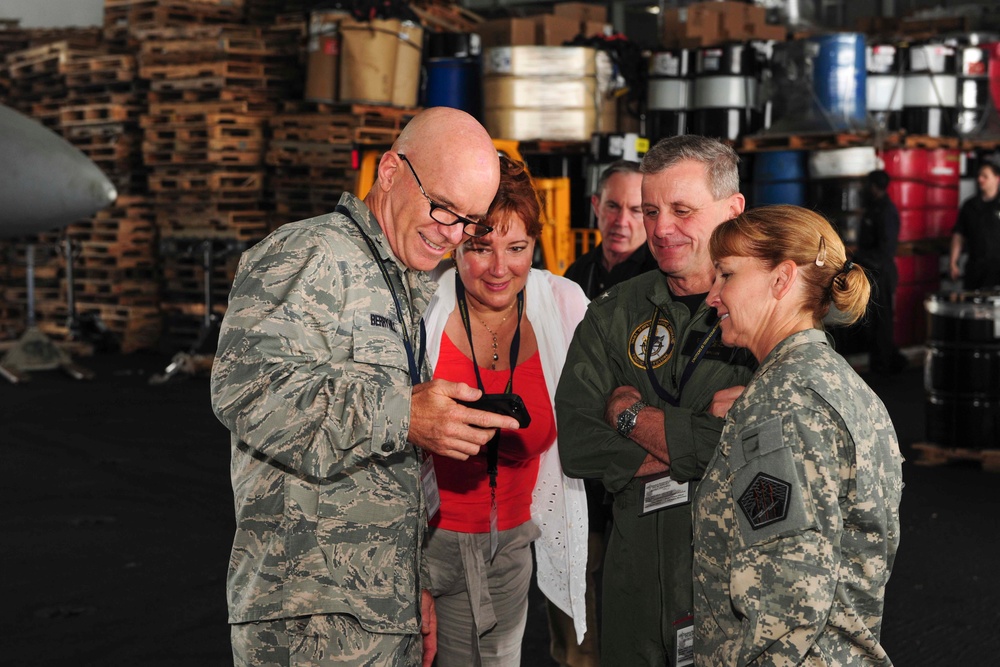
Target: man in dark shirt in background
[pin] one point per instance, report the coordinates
(977, 232)
(877, 241)
(622, 252)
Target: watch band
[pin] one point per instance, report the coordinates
(627, 417)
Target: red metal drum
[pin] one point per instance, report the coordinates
(912, 224)
(905, 163)
(943, 167)
(940, 221)
(906, 268)
(942, 197)
(908, 194)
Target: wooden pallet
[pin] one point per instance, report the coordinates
(222, 127)
(138, 14)
(933, 455)
(316, 127)
(256, 100)
(805, 141)
(177, 181)
(242, 48)
(920, 141)
(94, 114)
(308, 154)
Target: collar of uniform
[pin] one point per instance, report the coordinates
(807, 337)
(369, 225)
(661, 297)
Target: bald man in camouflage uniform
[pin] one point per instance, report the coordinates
(328, 408)
(797, 519)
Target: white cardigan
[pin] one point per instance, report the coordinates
(554, 306)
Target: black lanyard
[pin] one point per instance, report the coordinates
(493, 447)
(414, 363)
(703, 345)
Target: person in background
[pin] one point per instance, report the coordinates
(977, 232)
(876, 251)
(643, 393)
(320, 378)
(496, 323)
(797, 519)
(621, 254)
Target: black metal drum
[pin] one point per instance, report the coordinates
(962, 371)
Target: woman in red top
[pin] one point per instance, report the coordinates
(498, 324)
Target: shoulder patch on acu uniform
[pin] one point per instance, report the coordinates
(662, 345)
(765, 500)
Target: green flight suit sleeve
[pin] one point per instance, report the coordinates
(588, 446)
(691, 441)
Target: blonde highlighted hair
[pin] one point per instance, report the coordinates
(774, 234)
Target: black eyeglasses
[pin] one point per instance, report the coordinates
(446, 216)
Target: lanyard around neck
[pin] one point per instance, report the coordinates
(414, 363)
(703, 345)
(493, 446)
(515, 344)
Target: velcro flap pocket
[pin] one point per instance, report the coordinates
(768, 486)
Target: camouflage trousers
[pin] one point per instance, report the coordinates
(321, 641)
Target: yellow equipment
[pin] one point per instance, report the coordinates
(559, 240)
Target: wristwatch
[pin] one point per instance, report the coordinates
(627, 417)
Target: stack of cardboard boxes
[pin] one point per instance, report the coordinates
(536, 89)
(567, 20)
(711, 23)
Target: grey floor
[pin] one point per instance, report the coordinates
(117, 520)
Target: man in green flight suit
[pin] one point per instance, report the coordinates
(645, 386)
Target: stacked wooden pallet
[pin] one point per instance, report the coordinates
(314, 153)
(211, 89)
(89, 94)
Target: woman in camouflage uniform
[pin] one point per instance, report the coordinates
(797, 519)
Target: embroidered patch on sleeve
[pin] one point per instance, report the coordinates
(765, 500)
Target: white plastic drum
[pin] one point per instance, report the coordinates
(668, 97)
(885, 85)
(930, 94)
(843, 162)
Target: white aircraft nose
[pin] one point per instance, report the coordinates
(45, 182)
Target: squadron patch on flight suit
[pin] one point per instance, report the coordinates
(662, 345)
(765, 500)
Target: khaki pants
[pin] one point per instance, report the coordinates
(323, 640)
(482, 606)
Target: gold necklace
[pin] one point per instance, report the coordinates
(496, 357)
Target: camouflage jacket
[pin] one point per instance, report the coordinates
(797, 518)
(311, 378)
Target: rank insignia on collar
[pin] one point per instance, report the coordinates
(765, 500)
(662, 344)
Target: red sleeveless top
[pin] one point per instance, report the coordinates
(464, 485)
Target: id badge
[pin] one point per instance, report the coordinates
(662, 491)
(430, 483)
(684, 644)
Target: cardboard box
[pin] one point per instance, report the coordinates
(507, 32)
(568, 61)
(704, 24)
(551, 30)
(584, 12)
(543, 124)
(539, 92)
(766, 31)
